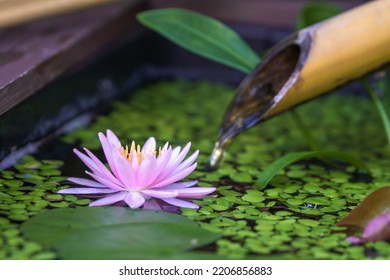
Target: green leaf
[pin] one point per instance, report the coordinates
(4, 195)
(201, 35)
(288, 159)
(312, 13)
(305, 130)
(381, 109)
(115, 233)
(383, 83)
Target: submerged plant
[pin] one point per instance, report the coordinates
(139, 176)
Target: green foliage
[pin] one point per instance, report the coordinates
(383, 83)
(202, 35)
(378, 104)
(115, 233)
(314, 12)
(274, 168)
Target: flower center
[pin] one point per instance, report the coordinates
(135, 152)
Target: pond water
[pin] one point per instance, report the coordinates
(294, 217)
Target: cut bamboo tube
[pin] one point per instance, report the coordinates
(13, 12)
(307, 64)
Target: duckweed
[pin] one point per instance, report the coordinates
(22, 198)
(293, 217)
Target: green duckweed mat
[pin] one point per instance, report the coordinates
(292, 218)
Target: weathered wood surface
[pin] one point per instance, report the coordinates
(34, 54)
(13, 12)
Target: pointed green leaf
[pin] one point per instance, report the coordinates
(288, 159)
(201, 35)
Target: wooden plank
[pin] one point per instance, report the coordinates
(35, 54)
(14, 12)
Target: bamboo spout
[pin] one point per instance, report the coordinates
(307, 64)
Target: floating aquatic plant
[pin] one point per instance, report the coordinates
(139, 176)
(311, 197)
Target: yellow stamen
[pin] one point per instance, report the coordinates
(135, 152)
(132, 146)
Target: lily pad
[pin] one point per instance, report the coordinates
(115, 233)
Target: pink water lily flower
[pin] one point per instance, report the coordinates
(139, 176)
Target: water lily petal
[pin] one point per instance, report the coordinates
(110, 199)
(190, 160)
(161, 163)
(86, 182)
(105, 181)
(165, 154)
(354, 240)
(166, 146)
(147, 172)
(112, 139)
(102, 167)
(152, 204)
(88, 162)
(174, 154)
(183, 153)
(197, 192)
(135, 165)
(109, 153)
(125, 172)
(134, 199)
(174, 161)
(86, 191)
(179, 158)
(181, 185)
(181, 203)
(150, 145)
(161, 193)
(176, 177)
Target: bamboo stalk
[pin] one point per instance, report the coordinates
(13, 12)
(344, 48)
(307, 64)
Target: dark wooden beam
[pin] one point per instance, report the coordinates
(35, 54)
